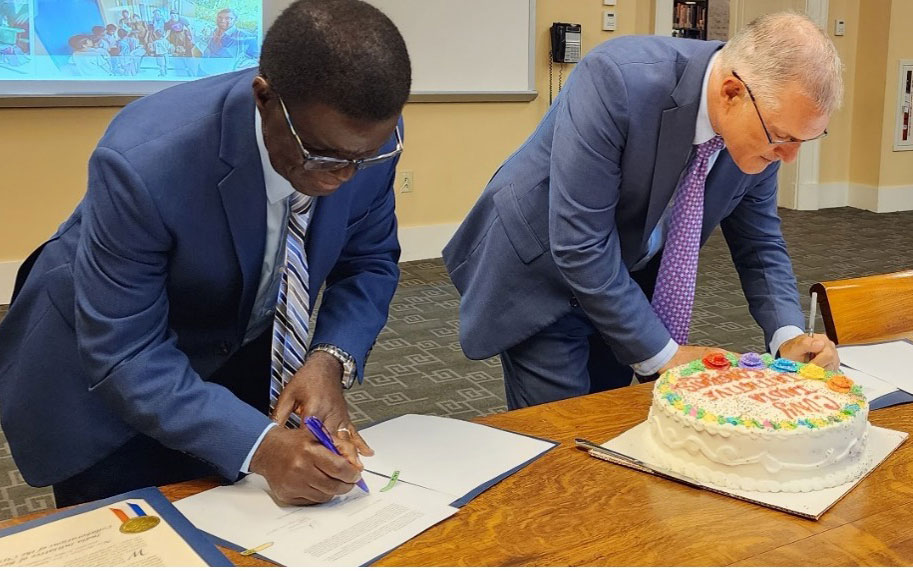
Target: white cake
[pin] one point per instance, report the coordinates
(758, 424)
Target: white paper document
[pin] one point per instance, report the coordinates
(445, 454)
(891, 362)
(350, 530)
(99, 538)
(872, 387)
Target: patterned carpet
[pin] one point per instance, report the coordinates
(417, 365)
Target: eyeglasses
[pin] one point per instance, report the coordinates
(770, 139)
(314, 162)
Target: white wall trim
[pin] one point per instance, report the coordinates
(424, 242)
(7, 279)
(833, 194)
(874, 199)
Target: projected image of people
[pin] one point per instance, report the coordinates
(171, 40)
(14, 37)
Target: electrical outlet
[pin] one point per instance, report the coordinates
(406, 182)
(608, 20)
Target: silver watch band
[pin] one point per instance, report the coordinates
(346, 360)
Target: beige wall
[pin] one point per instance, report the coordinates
(452, 148)
(835, 149)
(868, 111)
(44, 154)
(896, 167)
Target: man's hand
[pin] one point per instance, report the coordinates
(316, 390)
(822, 351)
(688, 353)
(300, 470)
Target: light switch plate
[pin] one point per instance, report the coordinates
(608, 20)
(608, 2)
(839, 27)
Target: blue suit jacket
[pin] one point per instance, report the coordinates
(148, 287)
(568, 213)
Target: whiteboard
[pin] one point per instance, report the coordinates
(469, 50)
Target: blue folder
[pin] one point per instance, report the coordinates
(175, 519)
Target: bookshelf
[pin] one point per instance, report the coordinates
(689, 19)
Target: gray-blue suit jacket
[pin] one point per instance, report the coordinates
(570, 212)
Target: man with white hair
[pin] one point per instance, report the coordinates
(579, 261)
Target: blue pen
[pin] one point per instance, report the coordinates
(320, 433)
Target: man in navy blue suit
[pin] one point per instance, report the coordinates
(145, 343)
(652, 143)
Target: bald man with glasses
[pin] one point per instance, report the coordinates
(578, 263)
(163, 332)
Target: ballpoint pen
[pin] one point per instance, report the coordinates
(811, 322)
(323, 436)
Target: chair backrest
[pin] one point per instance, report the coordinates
(868, 309)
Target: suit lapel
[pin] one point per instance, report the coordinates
(327, 229)
(243, 192)
(676, 135)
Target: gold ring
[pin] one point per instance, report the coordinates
(343, 429)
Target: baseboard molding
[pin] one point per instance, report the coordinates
(424, 242)
(7, 279)
(866, 197)
(833, 194)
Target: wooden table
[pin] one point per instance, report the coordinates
(568, 508)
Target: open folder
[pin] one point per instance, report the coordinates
(882, 369)
(441, 463)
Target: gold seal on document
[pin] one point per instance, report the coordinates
(139, 524)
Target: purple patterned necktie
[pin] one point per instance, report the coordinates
(673, 297)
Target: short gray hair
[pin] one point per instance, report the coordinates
(782, 48)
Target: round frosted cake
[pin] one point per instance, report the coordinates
(758, 423)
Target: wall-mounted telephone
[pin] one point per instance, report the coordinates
(565, 42)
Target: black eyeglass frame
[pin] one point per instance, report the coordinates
(770, 139)
(314, 162)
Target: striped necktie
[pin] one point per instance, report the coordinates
(673, 298)
(290, 325)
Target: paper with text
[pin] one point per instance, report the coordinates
(350, 530)
(98, 538)
(445, 454)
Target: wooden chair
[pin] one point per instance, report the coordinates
(868, 309)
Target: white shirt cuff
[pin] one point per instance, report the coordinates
(245, 467)
(651, 365)
(782, 335)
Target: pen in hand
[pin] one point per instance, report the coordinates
(320, 433)
(811, 322)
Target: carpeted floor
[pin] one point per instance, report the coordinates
(417, 365)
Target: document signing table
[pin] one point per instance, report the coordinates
(568, 508)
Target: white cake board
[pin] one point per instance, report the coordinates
(881, 443)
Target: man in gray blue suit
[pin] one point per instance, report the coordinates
(652, 144)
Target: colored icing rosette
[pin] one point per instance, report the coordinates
(840, 384)
(768, 359)
(752, 361)
(784, 366)
(812, 371)
(716, 361)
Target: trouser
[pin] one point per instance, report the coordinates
(569, 357)
(143, 461)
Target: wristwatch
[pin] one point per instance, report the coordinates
(346, 360)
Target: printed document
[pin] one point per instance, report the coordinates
(350, 530)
